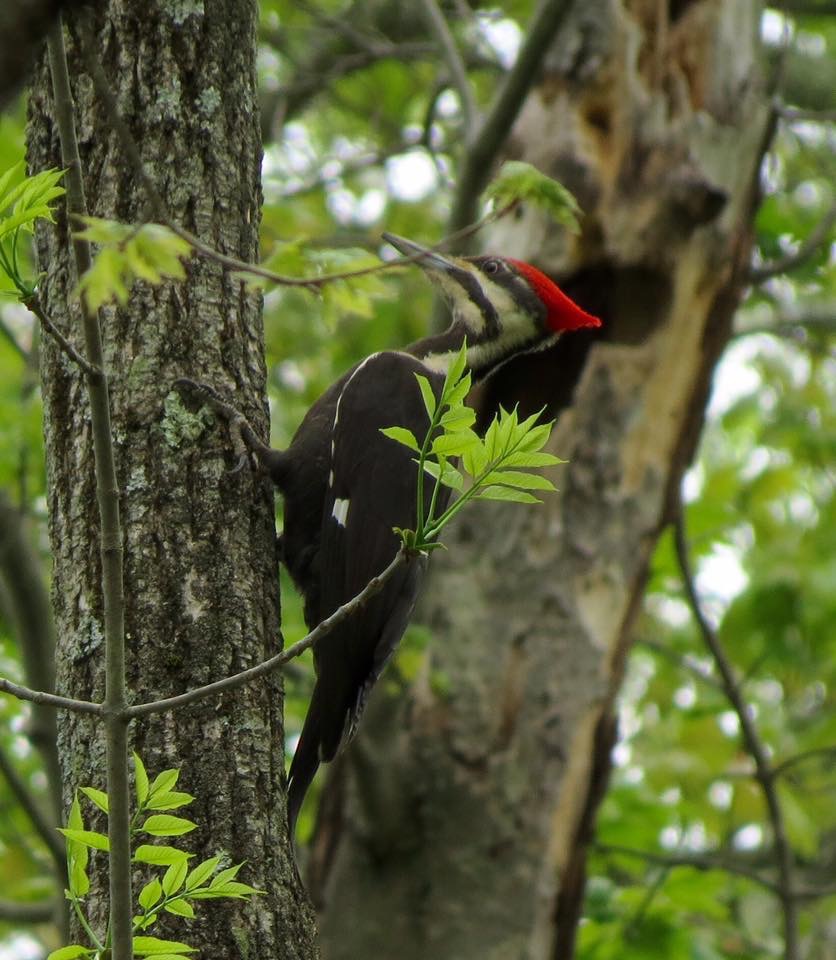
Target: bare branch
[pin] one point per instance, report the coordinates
(482, 152)
(458, 73)
(45, 830)
(764, 773)
(33, 303)
(8, 335)
(373, 587)
(42, 911)
(697, 861)
(815, 238)
(50, 699)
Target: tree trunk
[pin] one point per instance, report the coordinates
(457, 824)
(200, 559)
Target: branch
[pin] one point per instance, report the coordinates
(373, 587)
(13, 341)
(815, 238)
(697, 861)
(780, 769)
(458, 73)
(31, 613)
(764, 773)
(50, 699)
(46, 831)
(33, 304)
(39, 912)
(110, 531)
(482, 152)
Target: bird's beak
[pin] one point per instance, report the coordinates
(426, 258)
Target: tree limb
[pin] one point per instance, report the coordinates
(49, 699)
(373, 587)
(458, 74)
(764, 773)
(814, 239)
(46, 831)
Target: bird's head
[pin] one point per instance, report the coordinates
(503, 306)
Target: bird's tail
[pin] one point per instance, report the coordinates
(305, 762)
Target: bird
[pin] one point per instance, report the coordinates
(346, 486)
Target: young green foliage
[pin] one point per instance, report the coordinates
(128, 253)
(175, 886)
(23, 200)
(519, 182)
(496, 465)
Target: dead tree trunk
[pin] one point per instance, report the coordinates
(456, 827)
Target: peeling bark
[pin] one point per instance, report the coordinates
(200, 557)
(469, 801)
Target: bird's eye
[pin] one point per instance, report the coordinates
(492, 266)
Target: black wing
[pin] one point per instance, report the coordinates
(372, 489)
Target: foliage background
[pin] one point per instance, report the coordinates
(356, 146)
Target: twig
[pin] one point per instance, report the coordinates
(458, 73)
(480, 156)
(814, 239)
(33, 303)
(13, 341)
(110, 546)
(49, 699)
(45, 830)
(764, 773)
(39, 912)
(697, 861)
(373, 587)
(780, 769)
(680, 661)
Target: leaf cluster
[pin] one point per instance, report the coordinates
(491, 468)
(173, 891)
(519, 182)
(150, 252)
(23, 200)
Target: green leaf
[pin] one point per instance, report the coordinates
(519, 182)
(202, 872)
(171, 800)
(153, 946)
(71, 952)
(458, 418)
(99, 797)
(88, 837)
(402, 435)
(161, 855)
(475, 459)
(233, 888)
(163, 825)
(180, 908)
(455, 396)
(456, 368)
(174, 877)
(520, 458)
(141, 778)
(523, 481)
(78, 879)
(150, 894)
(163, 782)
(450, 476)
(506, 493)
(455, 444)
(427, 394)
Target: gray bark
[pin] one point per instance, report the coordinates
(200, 559)
(456, 825)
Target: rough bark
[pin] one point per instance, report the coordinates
(200, 558)
(457, 823)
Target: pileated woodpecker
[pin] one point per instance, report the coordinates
(346, 486)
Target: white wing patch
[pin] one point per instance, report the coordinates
(340, 511)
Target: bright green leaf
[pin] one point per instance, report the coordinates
(180, 908)
(72, 952)
(150, 894)
(153, 946)
(519, 182)
(202, 872)
(99, 797)
(161, 855)
(170, 800)
(427, 394)
(506, 493)
(164, 825)
(141, 778)
(88, 837)
(174, 877)
(402, 435)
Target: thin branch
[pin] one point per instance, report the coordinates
(373, 587)
(807, 249)
(482, 152)
(8, 335)
(680, 661)
(45, 830)
(39, 912)
(458, 73)
(780, 769)
(33, 303)
(50, 699)
(764, 773)
(697, 861)
(110, 531)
